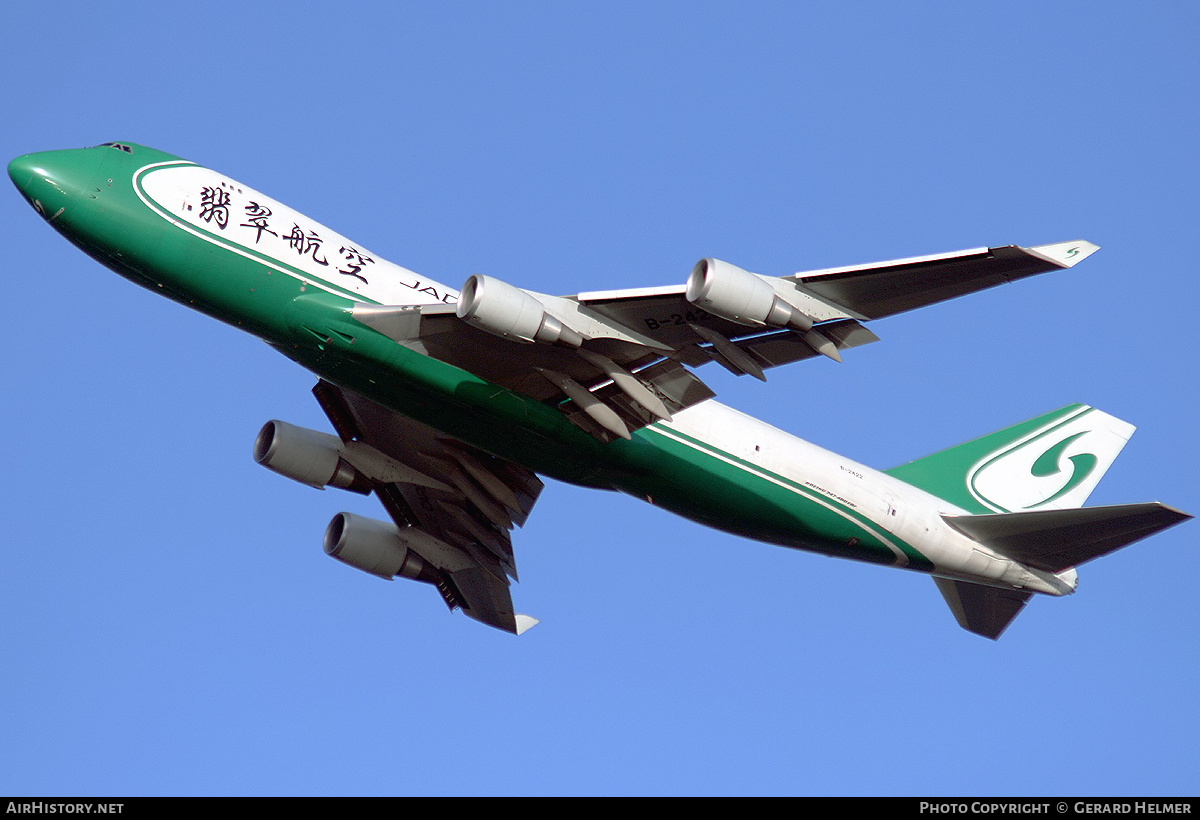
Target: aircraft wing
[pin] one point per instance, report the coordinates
(455, 504)
(886, 288)
(619, 379)
(615, 361)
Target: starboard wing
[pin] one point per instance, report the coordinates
(886, 288)
(618, 360)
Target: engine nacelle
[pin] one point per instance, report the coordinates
(307, 456)
(741, 296)
(374, 547)
(500, 308)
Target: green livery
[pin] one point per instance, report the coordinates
(448, 404)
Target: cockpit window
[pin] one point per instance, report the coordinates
(117, 145)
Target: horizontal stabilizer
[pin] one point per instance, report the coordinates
(986, 611)
(1053, 540)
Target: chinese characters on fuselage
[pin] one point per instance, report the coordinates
(278, 232)
(215, 206)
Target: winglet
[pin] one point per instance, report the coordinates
(1065, 254)
(525, 622)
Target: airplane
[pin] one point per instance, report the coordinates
(449, 404)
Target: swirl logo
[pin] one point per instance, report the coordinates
(1054, 466)
(1048, 465)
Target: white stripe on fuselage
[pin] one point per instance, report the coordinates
(796, 465)
(819, 475)
(235, 217)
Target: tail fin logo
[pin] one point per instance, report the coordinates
(1028, 475)
(1048, 465)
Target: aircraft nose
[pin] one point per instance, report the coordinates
(20, 171)
(51, 180)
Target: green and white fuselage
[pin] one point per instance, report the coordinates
(220, 247)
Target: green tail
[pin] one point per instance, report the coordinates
(1035, 475)
(1051, 462)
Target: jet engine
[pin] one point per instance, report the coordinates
(374, 547)
(741, 296)
(500, 308)
(307, 456)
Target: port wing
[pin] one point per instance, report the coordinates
(462, 501)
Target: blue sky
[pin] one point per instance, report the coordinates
(169, 624)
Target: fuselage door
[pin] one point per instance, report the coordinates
(893, 512)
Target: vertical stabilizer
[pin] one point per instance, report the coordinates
(1052, 462)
